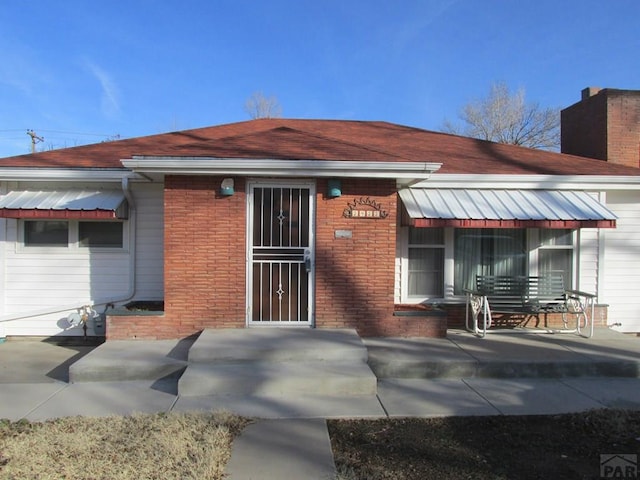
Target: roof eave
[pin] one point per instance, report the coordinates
(405, 173)
(64, 174)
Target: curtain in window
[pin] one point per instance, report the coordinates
(479, 251)
(426, 272)
(556, 254)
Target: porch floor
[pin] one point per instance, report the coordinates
(461, 355)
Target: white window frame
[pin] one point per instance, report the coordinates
(534, 246)
(404, 267)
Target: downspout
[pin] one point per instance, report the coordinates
(601, 294)
(3, 239)
(133, 227)
(600, 272)
(105, 301)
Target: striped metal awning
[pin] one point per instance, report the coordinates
(503, 208)
(77, 204)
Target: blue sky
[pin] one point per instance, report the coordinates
(80, 72)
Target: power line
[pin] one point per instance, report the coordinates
(63, 132)
(57, 136)
(77, 133)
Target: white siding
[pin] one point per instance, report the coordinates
(150, 241)
(587, 255)
(48, 280)
(621, 263)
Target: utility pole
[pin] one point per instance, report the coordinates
(34, 139)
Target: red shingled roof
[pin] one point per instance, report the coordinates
(326, 140)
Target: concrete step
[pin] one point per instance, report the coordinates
(277, 345)
(507, 355)
(505, 369)
(278, 378)
(123, 360)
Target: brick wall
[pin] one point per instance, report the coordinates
(604, 125)
(355, 276)
(623, 129)
(456, 318)
(204, 262)
(139, 327)
(204, 259)
(584, 128)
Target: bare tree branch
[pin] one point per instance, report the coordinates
(259, 106)
(507, 118)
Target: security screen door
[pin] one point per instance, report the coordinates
(280, 275)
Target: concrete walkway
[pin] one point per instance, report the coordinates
(395, 398)
(500, 375)
(283, 449)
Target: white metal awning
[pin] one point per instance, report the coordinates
(87, 204)
(503, 208)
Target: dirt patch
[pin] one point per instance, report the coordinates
(497, 448)
(145, 306)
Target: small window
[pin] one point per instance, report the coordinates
(100, 234)
(425, 264)
(46, 233)
(555, 254)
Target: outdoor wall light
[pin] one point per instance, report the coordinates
(226, 188)
(334, 188)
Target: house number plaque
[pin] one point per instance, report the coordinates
(364, 208)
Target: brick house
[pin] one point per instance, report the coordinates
(315, 223)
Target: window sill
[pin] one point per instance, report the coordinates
(417, 310)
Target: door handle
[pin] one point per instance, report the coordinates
(307, 260)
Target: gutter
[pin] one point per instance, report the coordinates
(403, 172)
(542, 182)
(66, 174)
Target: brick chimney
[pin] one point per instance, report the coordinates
(604, 124)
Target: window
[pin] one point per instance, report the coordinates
(442, 262)
(555, 253)
(73, 234)
(46, 233)
(100, 234)
(426, 262)
(487, 251)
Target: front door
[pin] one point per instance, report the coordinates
(281, 257)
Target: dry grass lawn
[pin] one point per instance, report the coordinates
(159, 446)
(198, 446)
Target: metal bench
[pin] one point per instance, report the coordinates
(530, 297)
